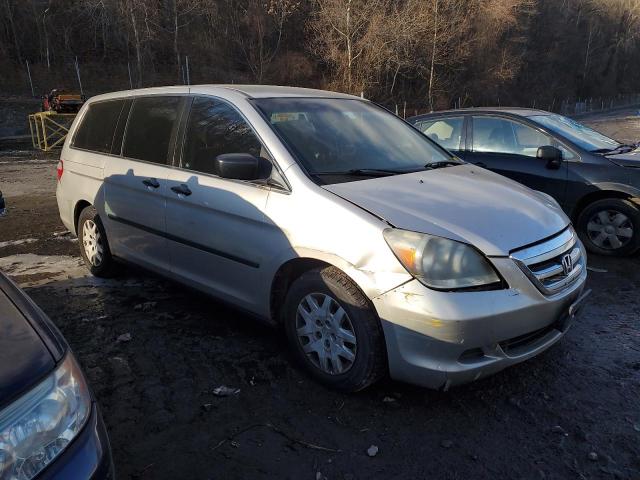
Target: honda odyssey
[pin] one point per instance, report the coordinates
(375, 249)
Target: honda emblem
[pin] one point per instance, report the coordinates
(567, 264)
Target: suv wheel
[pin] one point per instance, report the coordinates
(610, 227)
(334, 331)
(94, 247)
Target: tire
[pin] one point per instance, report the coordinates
(610, 227)
(367, 361)
(94, 247)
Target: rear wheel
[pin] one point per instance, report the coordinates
(610, 227)
(94, 247)
(334, 331)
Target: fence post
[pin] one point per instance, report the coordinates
(78, 73)
(33, 93)
(186, 59)
(130, 79)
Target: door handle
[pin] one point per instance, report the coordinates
(481, 164)
(181, 190)
(151, 182)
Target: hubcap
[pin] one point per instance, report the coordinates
(326, 334)
(610, 229)
(92, 241)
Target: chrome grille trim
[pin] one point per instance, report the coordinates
(543, 263)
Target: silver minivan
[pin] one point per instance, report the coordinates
(375, 249)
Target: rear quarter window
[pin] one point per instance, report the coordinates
(98, 125)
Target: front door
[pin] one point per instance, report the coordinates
(136, 185)
(218, 232)
(509, 148)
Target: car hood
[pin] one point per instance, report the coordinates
(629, 159)
(24, 358)
(463, 203)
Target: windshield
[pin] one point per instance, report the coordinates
(581, 135)
(344, 136)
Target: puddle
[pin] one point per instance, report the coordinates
(30, 269)
(23, 241)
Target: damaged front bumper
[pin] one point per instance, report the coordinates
(439, 339)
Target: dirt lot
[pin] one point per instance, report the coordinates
(573, 412)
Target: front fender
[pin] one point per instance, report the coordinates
(618, 187)
(371, 281)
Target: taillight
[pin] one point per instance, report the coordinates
(60, 169)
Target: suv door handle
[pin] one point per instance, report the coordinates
(182, 190)
(151, 182)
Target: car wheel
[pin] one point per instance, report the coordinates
(334, 330)
(94, 246)
(610, 227)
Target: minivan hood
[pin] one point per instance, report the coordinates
(629, 159)
(464, 203)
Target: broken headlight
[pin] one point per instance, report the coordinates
(440, 263)
(38, 426)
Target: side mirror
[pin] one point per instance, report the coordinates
(242, 166)
(552, 155)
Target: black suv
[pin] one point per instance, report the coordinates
(594, 178)
(50, 425)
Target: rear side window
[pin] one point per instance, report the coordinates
(150, 128)
(214, 128)
(96, 131)
(499, 135)
(446, 131)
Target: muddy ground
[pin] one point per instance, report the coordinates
(573, 412)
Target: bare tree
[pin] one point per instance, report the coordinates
(258, 28)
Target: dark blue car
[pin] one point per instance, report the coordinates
(50, 424)
(595, 179)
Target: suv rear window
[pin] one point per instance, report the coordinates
(150, 127)
(95, 133)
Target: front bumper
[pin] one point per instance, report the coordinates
(439, 339)
(87, 457)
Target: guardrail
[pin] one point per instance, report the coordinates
(49, 129)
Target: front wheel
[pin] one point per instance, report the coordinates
(334, 331)
(94, 247)
(610, 227)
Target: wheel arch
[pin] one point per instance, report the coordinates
(295, 266)
(609, 191)
(77, 210)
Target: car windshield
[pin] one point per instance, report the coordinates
(350, 137)
(583, 136)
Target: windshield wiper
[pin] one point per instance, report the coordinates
(441, 164)
(364, 172)
(622, 148)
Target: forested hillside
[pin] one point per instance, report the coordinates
(429, 53)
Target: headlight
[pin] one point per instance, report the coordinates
(39, 425)
(440, 263)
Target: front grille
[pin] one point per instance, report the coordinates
(554, 264)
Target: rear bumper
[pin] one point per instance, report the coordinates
(65, 208)
(440, 339)
(88, 456)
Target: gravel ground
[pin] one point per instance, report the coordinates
(154, 352)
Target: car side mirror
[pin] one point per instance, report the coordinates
(242, 166)
(552, 155)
